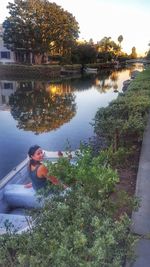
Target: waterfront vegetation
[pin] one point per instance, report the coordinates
(123, 121)
(79, 229)
(89, 226)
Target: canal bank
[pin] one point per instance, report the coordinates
(47, 71)
(138, 103)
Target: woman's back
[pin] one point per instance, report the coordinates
(37, 182)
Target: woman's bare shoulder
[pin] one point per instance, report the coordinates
(42, 170)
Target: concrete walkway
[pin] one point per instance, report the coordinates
(141, 218)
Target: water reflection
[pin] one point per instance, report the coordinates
(107, 82)
(86, 82)
(41, 107)
(6, 89)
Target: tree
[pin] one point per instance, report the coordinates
(84, 53)
(105, 44)
(148, 52)
(148, 55)
(37, 27)
(91, 41)
(120, 39)
(133, 54)
(107, 49)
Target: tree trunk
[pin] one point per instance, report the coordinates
(45, 58)
(38, 59)
(31, 57)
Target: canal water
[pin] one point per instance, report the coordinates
(52, 114)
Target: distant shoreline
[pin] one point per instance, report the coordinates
(9, 71)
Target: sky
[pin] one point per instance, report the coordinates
(110, 18)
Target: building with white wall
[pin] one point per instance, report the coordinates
(6, 56)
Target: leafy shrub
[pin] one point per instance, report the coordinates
(75, 231)
(92, 172)
(127, 114)
(77, 228)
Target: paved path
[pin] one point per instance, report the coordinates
(141, 218)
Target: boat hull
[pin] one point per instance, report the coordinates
(90, 70)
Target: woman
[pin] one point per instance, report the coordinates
(38, 172)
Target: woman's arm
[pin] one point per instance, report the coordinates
(29, 185)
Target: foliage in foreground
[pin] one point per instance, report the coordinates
(78, 228)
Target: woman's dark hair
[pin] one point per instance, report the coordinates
(32, 150)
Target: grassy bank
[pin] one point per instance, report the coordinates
(29, 71)
(44, 72)
(122, 123)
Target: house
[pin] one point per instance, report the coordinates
(6, 56)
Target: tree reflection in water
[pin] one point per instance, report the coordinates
(40, 107)
(103, 82)
(114, 79)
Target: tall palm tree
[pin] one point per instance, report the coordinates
(120, 39)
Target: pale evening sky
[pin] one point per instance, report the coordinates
(99, 18)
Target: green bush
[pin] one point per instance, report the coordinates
(75, 231)
(92, 172)
(127, 115)
(78, 228)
